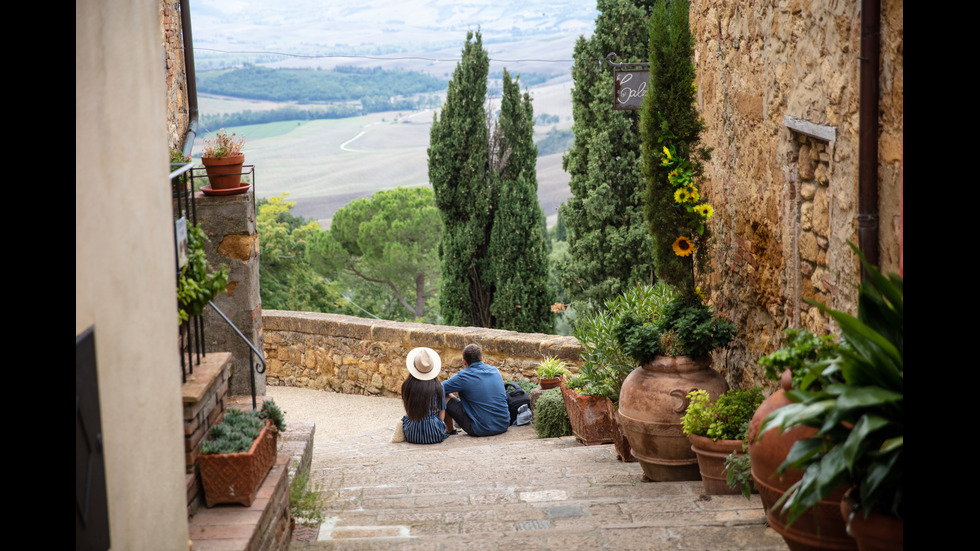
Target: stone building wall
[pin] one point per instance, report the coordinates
(364, 356)
(786, 199)
(173, 43)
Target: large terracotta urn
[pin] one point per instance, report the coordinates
(820, 528)
(651, 402)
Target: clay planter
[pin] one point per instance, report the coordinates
(821, 528)
(651, 402)
(876, 532)
(548, 383)
(621, 443)
(224, 172)
(235, 477)
(589, 417)
(711, 461)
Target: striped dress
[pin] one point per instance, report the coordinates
(430, 430)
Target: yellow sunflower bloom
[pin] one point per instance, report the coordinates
(681, 195)
(692, 193)
(705, 211)
(667, 154)
(683, 246)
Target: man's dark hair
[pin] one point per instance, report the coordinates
(472, 353)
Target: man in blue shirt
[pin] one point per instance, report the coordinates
(481, 409)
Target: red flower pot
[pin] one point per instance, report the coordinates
(224, 172)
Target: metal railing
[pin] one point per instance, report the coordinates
(191, 332)
(253, 367)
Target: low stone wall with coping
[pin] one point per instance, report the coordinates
(364, 356)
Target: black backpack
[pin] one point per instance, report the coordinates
(516, 397)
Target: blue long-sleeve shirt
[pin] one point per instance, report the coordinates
(481, 390)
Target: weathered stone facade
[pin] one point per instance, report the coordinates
(786, 200)
(173, 43)
(365, 356)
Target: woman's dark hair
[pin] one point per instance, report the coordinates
(418, 397)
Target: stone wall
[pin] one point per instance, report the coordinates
(778, 86)
(173, 43)
(364, 356)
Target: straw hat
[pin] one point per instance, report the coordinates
(423, 363)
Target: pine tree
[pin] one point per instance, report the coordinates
(609, 244)
(521, 300)
(671, 123)
(466, 190)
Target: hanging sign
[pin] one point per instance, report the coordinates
(631, 87)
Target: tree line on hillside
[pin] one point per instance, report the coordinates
(310, 85)
(373, 104)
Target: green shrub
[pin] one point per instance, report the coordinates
(550, 417)
(726, 419)
(306, 500)
(525, 384)
(682, 330)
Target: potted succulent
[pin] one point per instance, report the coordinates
(717, 430)
(223, 160)
(550, 372)
(859, 420)
(673, 354)
(242, 451)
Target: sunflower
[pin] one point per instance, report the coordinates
(692, 193)
(683, 246)
(681, 196)
(667, 154)
(706, 211)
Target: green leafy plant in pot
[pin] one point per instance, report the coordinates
(197, 284)
(673, 354)
(223, 160)
(717, 430)
(550, 372)
(859, 420)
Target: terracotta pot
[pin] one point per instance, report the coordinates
(236, 477)
(620, 442)
(224, 172)
(711, 461)
(549, 382)
(651, 402)
(822, 528)
(589, 417)
(876, 532)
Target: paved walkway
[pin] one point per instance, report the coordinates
(512, 491)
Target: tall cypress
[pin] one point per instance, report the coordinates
(466, 191)
(609, 244)
(521, 300)
(672, 153)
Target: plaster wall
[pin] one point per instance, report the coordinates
(786, 203)
(124, 267)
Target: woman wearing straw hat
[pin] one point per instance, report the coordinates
(423, 398)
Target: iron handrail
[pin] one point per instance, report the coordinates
(252, 368)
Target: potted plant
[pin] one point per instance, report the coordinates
(550, 372)
(242, 451)
(587, 413)
(717, 430)
(822, 527)
(223, 160)
(673, 354)
(604, 363)
(859, 421)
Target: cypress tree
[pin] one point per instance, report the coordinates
(466, 190)
(609, 244)
(672, 154)
(521, 300)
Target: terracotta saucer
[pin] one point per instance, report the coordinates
(206, 190)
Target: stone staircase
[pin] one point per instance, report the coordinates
(515, 491)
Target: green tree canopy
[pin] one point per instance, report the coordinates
(608, 241)
(670, 120)
(466, 190)
(519, 259)
(287, 278)
(391, 239)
